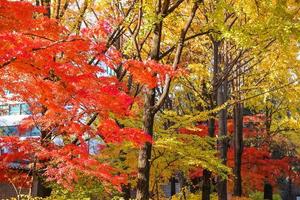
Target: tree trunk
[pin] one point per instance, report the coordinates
(150, 108)
(126, 192)
(148, 118)
(223, 143)
(290, 189)
(145, 151)
(222, 117)
(47, 5)
(268, 191)
(173, 186)
(238, 148)
(38, 188)
(206, 186)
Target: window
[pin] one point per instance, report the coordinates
(25, 109)
(9, 130)
(13, 131)
(4, 109)
(14, 109)
(33, 132)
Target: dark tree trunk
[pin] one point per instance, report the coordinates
(126, 191)
(268, 191)
(206, 186)
(222, 117)
(148, 119)
(145, 151)
(290, 189)
(221, 95)
(223, 143)
(38, 188)
(150, 108)
(143, 172)
(46, 4)
(238, 148)
(173, 186)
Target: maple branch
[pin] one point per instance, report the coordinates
(180, 46)
(55, 43)
(14, 186)
(96, 16)
(93, 118)
(90, 122)
(39, 36)
(7, 62)
(82, 11)
(172, 8)
(57, 9)
(116, 33)
(186, 39)
(64, 9)
(192, 87)
(268, 91)
(137, 29)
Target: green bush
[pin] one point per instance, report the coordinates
(260, 196)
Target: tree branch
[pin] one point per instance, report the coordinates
(176, 61)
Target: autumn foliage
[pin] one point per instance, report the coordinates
(259, 166)
(59, 76)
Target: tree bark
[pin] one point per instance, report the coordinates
(47, 5)
(173, 186)
(206, 186)
(38, 188)
(223, 143)
(290, 189)
(222, 121)
(126, 191)
(145, 151)
(148, 120)
(150, 107)
(268, 191)
(238, 148)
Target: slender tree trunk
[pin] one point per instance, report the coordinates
(222, 117)
(268, 191)
(38, 188)
(126, 191)
(206, 186)
(223, 143)
(238, 148)
(47, 5)
(290, 189)
(173, 186)
(150, 108)
(145, 151)
(148, 119)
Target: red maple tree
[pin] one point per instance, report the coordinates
(59, 76)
